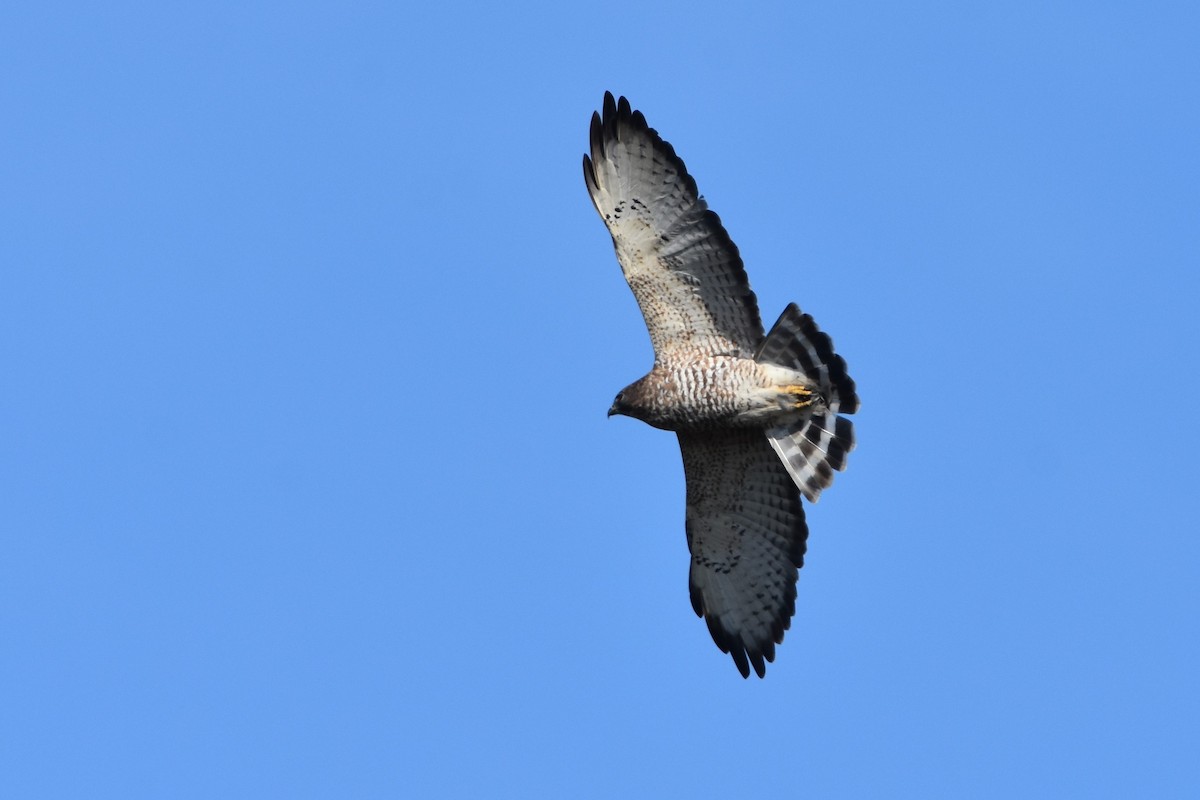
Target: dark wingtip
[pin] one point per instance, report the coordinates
(624, 110)
(743, 665)
(760, 668)
(589, 179)
(596, 136)
(610, 106)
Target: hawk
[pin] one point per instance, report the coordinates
(758, 416)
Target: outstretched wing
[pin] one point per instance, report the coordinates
(685, 272)
(747, 534)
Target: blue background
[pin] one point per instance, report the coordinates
(308, 329)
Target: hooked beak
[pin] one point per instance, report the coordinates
(613, 410)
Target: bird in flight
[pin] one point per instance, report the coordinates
(758, 416)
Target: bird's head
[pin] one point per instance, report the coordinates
(631, 401)
(620, 405)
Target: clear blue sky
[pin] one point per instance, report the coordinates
(308, 330)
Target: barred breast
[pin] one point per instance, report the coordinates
(709, 391)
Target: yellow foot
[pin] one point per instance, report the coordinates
(800, 396)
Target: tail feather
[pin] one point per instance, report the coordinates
(812, 450)
(796, 342)
(815, 447)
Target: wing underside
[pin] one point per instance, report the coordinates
(679, 261)
(747, 536)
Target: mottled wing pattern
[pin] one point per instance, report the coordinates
(747, 534)
(685, 272)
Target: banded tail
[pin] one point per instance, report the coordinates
(813, 448)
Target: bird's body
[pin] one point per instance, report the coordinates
(757, 416)
(718, 391)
